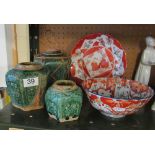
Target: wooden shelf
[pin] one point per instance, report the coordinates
(90, 119)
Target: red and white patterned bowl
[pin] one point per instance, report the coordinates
(117, 97)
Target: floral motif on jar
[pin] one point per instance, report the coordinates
(26, 84)
(64, 100)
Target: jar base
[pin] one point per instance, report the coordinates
(63, 119)
(28, 108)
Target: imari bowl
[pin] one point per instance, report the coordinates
(117, 97)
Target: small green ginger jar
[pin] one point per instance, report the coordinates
(26, 84)
(57, 64)
(64, 100)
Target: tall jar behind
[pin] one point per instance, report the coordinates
(26, 85)
(57, 64)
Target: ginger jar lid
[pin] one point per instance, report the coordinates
(52, 53)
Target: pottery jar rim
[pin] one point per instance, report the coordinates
(52, 54)
(29, 66)
(64, 85)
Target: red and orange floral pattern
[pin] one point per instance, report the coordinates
(97, 55)
(117, 97)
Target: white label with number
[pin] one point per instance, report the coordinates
(30, 82)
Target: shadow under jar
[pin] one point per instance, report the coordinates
(26, 84)
(56, 63)
(64, 100)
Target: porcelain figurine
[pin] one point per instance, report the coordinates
(147, 60)
(64, 100)
(26, 84)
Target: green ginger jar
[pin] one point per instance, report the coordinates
(56, 63)
(26, 84)
(64, 100)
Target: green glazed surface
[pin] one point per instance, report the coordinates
(57, 68)
(26, 96)
(63, 104)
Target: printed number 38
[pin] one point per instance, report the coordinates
(30, 81)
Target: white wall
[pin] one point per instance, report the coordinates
(9, 44)
(8, 51)
(23, 46)
(3, 56)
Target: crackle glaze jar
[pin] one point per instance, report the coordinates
(64, 100)
(56, 63)
(26, 84)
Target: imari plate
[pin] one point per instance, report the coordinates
(97, 55)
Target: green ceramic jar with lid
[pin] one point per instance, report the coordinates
(64, 100)
(57, 64)
(26, 85)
